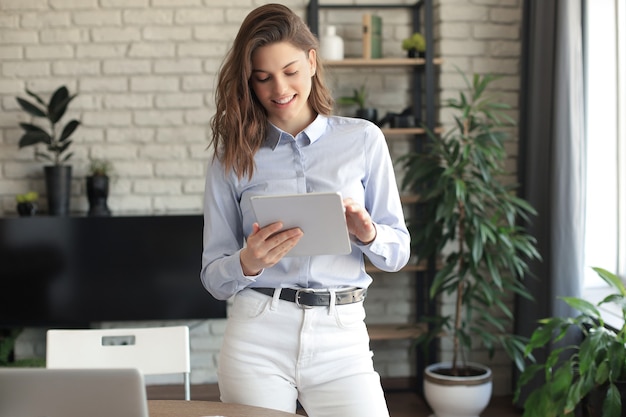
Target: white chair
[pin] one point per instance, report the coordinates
(152, 350)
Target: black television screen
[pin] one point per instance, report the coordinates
(71, 271)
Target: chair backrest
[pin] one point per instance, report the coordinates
(151, 350)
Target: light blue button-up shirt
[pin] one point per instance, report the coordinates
(333, 154)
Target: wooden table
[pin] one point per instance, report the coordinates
(181, 408)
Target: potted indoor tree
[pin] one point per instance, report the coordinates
(359, 98)
(55, 141)
(469, 217)
(97, 183)
(590, 375)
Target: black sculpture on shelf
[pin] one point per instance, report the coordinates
(98, 186)
(97, 194)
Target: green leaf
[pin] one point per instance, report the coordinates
(584, 306)
(69, 129)
(34, 137)
(31, 127)
(30, 108)
(58, 104)
(613, 280)
(612, 406)
(36, 97)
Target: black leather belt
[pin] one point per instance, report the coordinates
(306, 297)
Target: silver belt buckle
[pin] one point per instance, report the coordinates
(297, 300)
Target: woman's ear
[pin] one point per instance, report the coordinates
(313, 61)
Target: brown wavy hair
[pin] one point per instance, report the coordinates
(240, 123)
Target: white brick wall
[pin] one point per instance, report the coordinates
(145, 73)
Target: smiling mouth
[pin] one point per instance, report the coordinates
(285, 100)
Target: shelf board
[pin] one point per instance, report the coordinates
(395, 131)
(395, 331)
(380, 62)
(409, 198)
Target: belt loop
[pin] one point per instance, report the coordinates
(333, 302)
(275, 299)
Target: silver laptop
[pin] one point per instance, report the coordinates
(41, 392)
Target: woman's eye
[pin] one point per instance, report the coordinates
(291, 73)
(262, 80)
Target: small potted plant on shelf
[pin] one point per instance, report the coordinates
(415, 45)
(27, 203)
(469, 217)
(359, 98)
(97, 183)
(56, 142)
(592, 374)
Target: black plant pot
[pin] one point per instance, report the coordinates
(414, 53)
(58, 188)
(97, 194)
(27, 209)
(370, 114)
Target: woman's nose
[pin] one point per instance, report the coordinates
(279, 85)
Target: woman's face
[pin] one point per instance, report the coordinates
(281, 79)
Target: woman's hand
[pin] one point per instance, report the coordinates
(359, 221)
(266, 246)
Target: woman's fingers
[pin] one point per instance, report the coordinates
(266, 246)
(359, 221)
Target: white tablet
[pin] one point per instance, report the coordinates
(320, 216)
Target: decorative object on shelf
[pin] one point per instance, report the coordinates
(97, 183)
(415, 45)
(27, 203)
(331, 45)
(58, 175)
(372, 36)
(470, 215)
(591, 374)
(359, 98)
(404, 119)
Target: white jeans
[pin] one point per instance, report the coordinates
(275, 353)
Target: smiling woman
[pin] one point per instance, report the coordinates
(281, 81)
(273, 134)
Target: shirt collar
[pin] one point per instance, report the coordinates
(313, 131)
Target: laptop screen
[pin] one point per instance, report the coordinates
(41, 392)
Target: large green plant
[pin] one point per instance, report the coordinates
(574, 371)
(469, 214)
(56, 140)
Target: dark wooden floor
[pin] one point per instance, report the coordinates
(401, 402)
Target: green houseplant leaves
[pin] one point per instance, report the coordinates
(57, 141)
(469, 216)
(573, 372)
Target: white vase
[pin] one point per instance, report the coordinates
(457, 396)
(331, 45)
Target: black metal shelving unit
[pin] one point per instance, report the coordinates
(423, 83)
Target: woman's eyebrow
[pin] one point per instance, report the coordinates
(260, 70)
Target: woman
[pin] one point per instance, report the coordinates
(296, 327)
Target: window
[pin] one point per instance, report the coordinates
(605, 85)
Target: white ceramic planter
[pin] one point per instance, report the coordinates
(453, 396)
